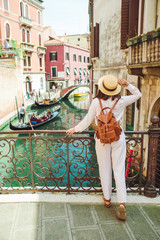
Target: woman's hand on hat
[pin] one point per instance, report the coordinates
(70, 131)
(123, 82)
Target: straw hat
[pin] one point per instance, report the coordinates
(109, 85)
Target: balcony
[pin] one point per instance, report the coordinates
(27, 47)
(25, 21)
(41, 50)
(144, 54)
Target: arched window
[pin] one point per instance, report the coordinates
(40, 40)
(23, 35)
(26, 11)
(28, 36)
(8, 30)
(39, 17)
(6, 5)
(21, 9)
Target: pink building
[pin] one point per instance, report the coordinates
(22, 20)
(65, 62)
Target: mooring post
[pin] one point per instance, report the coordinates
(150, 188)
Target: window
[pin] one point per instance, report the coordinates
(79, 39)
(84, 59)
(21, 9)
(40, 40)
(6, 5)
(40, 62)
(84, 71)
(67, 56)
(53, 72)
(28, 36)
(39, 17)
(26, 11)
(53, 56)
(27, 61)
(67, 71)
(8, 31)
(88, 72)
(80, 58)
(80, 71)
(23, 35)
(41, 83)
(74, 58)
(88, 59)
(75, 71)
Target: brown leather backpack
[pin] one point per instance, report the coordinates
(108, 129)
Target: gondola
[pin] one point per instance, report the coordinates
(48, 103)
(54, 115)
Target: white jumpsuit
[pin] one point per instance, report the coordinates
(111, 155)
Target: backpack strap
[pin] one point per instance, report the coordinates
(100, 103)
(114, 105)
(111, 109)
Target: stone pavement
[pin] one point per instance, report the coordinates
(76, 221)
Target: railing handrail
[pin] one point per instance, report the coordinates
(63, 131)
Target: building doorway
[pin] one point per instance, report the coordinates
(28, 85)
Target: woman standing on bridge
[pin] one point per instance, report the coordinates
(110, 155)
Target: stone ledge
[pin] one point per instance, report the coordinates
(74, 197)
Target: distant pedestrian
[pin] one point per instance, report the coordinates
(22, 113)
(27, 94)
(88, 80)
(39, 93)
(80, 80)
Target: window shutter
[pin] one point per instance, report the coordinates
(56, 56)
(129, 20)
(23, 35)
(28, 36)
(26, 11)
(133, 18)
(92, 41)
(7, 30)
(40, 40)
(96, 40)
(50, 56)
(22, 9)
(6, 4)
(124, 23)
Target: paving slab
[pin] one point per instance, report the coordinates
(77, 221)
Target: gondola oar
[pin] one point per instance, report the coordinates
(30, 124)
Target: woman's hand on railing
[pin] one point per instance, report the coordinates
(70, 131)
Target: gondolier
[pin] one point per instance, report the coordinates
(22, 113)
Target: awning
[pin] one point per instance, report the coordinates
(80, 71)
(87, 72)
(84, 71)
(67, 71)
(75, 71)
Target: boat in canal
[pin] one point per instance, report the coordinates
(80, 95)
(28, 127)
(47, 103)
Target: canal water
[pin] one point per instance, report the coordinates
(50, 156)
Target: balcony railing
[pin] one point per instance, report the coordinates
(52, 162)
(41, 50)
(27, 47)
(145, 49)
(25, 21)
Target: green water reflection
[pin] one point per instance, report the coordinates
(49, 168)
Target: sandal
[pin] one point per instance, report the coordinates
(122, 212)
(107, 202)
